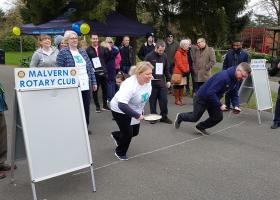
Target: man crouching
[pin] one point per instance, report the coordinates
(209, 95)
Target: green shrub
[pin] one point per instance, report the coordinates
(12, 43)
(256, 55)
(218, 56)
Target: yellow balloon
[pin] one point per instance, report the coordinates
(84, 28)
(16, 31)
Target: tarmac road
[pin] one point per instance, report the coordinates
(240, 160)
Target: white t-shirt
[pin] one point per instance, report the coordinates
(81, 66)
(133, 94)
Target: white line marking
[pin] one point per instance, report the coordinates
(160, 149)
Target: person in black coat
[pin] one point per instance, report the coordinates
(147, 47)
(99, 56)
(161, 81)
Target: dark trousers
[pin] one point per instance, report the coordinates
(126, 132)
(86, 102)
(191, 73)
(199, 107)
(101, 81)
(277, 109)
(111, 89)
(160, 94)
(3, 138)
(196, 86)
(125, 69)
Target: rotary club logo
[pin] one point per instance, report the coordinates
(73, 72)
(21, 74)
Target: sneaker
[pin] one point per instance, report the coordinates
(98, 110)
(105, 108)
(121, 157)
(201, 131)
(177, 121)
(166, 120)
(114, 139)
(274, 125)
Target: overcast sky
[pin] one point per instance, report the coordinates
(6, 4)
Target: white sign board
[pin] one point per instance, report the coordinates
(258, 83)
(53, 122)
(261, 84)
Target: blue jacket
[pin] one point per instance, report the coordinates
(234, 58)
(3, 105)
(65, 59)
(219, 84)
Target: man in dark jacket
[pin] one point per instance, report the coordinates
(209, 95)
(99, 57)
(272, 72)
(234, 56)
(127, 55)
(161, 81)
(147, 47)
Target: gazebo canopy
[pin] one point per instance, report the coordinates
(114, 25)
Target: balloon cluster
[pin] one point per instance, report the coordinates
(16, 31)
(81, 29)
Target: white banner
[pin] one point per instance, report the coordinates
(45, 78)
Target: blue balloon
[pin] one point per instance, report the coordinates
(76, 28)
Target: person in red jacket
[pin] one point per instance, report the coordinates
(181, 66)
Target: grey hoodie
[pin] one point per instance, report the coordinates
(40, 59)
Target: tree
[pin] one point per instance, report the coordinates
(260, 20)
(269, 8)
(217, 21)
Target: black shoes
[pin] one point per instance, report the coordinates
(166, 120)
(177, 121)
(201, 131)
(6, 167)
(275, 125)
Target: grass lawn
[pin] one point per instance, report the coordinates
(14, 57)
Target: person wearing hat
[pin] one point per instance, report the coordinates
(59, 42)
(147, 47)
(170, 50)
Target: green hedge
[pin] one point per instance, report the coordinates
(256, 55)
(12, 43)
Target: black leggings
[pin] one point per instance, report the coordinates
(126, 132)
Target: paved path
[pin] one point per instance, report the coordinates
(240, 160)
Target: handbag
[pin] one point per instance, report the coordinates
(176, 78)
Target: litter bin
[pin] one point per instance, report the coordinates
(2, 56)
